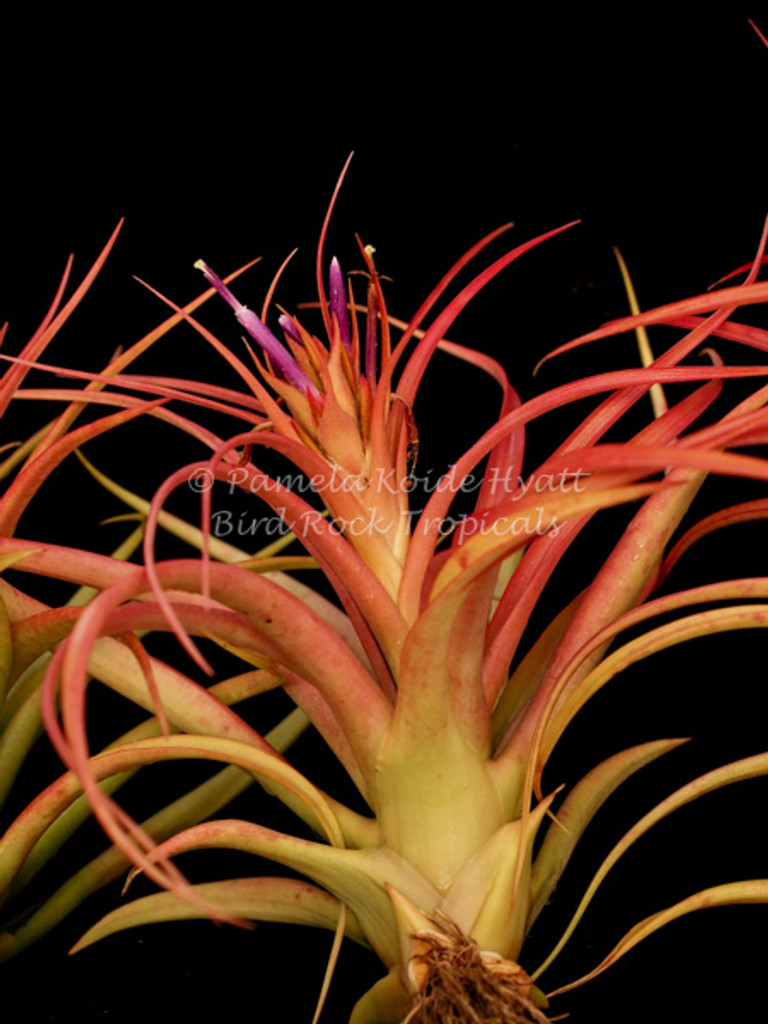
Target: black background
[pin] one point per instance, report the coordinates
(223, 139)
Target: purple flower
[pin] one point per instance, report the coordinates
(280, 358)
(338, 292)
(289, 327)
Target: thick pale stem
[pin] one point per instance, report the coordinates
(437, 802)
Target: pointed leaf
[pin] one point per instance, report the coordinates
(287, 900)
(736, 771)
(687, 628)
(754, 891)
(582, 803)
(357, 877)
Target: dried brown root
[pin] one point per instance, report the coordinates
(457, 983)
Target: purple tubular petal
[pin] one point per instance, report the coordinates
(218, 284)
(338, 299)
(289, 327)
(282, 361)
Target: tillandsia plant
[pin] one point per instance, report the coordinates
(420, 680)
